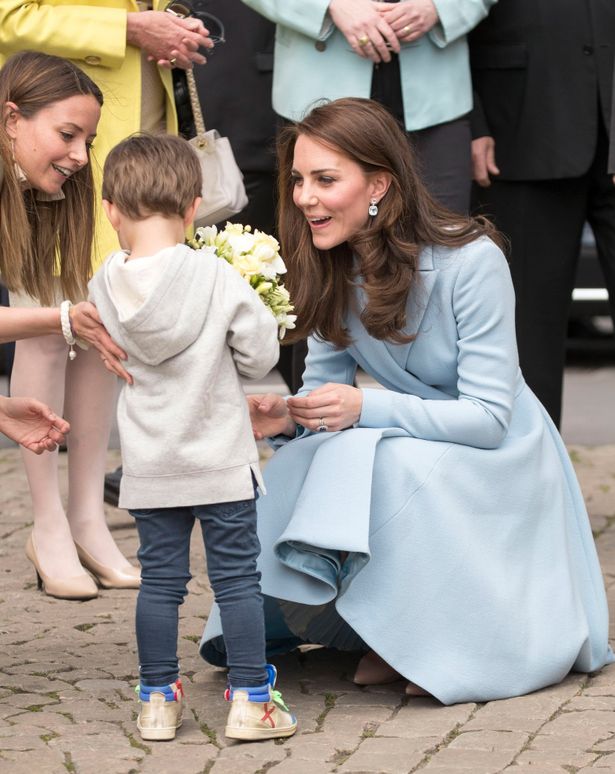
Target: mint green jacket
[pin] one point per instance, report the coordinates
(313, 60)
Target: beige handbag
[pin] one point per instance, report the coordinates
(224, 193)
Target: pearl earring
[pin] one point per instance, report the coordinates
(373, 208)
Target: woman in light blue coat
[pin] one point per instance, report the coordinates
(437, 522)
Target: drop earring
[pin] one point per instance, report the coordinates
(373, 208)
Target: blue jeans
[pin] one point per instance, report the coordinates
(231, 548)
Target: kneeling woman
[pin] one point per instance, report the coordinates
(435, 523)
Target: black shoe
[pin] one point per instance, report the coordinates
(112, 486)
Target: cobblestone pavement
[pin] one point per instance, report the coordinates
(67, 671)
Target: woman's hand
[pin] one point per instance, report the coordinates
(167, 39)
(335, 405)
(409, 19)
(367, 31)
(87, 325)
(269, 416)
(32, 424)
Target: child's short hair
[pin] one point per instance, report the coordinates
(152, 175)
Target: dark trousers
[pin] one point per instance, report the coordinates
(544, 221)
(232, 548)
(444, 151)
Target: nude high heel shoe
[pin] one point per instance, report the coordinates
(76, 587)
(109, 577)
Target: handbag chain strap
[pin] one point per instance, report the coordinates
(197, 113)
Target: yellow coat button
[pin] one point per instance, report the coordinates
(320, 45)
(92, 60)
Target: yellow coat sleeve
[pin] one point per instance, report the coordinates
(91, 32)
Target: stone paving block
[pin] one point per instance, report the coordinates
(19, 701)
(351, 727)
(605, 746)
(572, 756)
(101, 744)
(588, 702)
(28, 738)
(46, 762)
(505, 741)
(475, 760)
(522, 713)
(46, 721)
(322, 747)
(176, 758)
(590, 725)
(605, 763)
(294, 766)
(385, 756)
(530, 768)
(602, 683)
(246, 758)
(426, 717)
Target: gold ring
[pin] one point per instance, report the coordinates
(363, 40)
(173, 61)
(406, 29)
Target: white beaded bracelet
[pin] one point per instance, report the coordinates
(66, 329)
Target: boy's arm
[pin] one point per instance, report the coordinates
(252, 329)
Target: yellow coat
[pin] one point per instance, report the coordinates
(92, 33)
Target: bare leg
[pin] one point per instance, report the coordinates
(38, 372)
(89, 406)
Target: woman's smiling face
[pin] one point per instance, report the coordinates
(332, 191)
(54, 143)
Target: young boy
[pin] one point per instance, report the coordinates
(190, 325)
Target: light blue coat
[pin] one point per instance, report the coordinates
(471, 565)
(313, 60)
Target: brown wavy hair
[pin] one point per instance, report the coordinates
(384, 253)
(33, 233)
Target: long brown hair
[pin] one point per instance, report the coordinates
(33, 233)
(385, 252)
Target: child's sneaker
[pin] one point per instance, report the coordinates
(259, 712)
(161, 710)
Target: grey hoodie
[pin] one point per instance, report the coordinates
(184, 424)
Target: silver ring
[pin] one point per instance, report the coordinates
(322, 426)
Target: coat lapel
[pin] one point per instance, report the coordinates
(390, 357)
(418, 299)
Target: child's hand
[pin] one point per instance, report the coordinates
(269, 416)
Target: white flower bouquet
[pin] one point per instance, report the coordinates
(256, 256)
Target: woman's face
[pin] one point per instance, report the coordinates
(54, 143)
(332, 191)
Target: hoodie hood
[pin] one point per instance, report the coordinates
(174, 313)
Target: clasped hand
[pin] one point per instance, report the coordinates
(337, 406)
(374, 29)
(167, 39)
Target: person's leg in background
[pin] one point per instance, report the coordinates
(445, 159)
(601, 215)
(543, 221)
